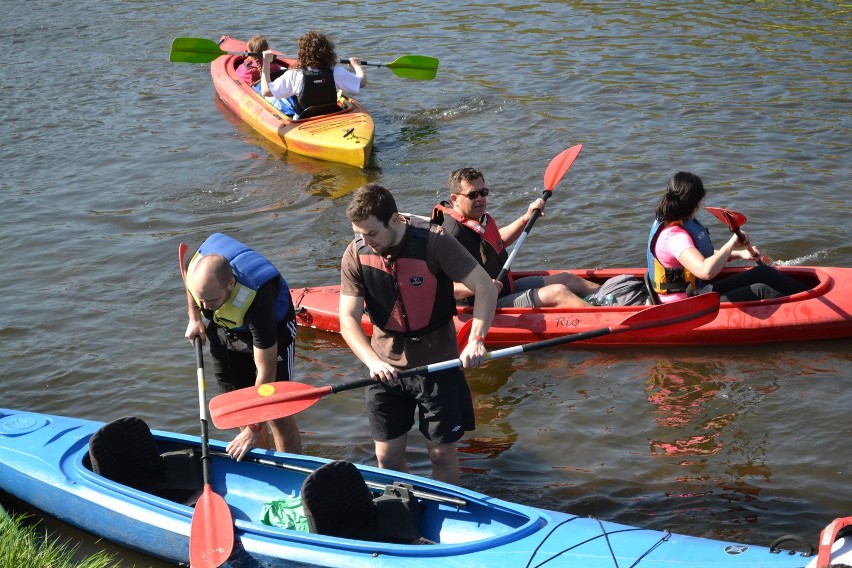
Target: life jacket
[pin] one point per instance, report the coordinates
(318, 89)
(670, 280)
(482, 240)
(251, 270)
(250, 72)
(403, 295)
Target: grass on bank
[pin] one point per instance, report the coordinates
(26, 546)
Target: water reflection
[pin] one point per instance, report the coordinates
(700, 409)
(493, 405)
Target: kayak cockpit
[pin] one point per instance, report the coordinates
(342, 105)
(448, 516)
(119, 459)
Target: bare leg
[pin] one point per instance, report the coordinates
(557, 296)
(391, 454)
(286, 435)
(445, 462)
(579, 286)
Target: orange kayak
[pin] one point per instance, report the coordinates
(345, 136)
(822, 312)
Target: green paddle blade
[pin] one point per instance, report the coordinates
(419, 67)
(194, 50)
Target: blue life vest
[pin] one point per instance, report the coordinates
(670, 280)
(251, 270)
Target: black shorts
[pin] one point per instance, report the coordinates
(442, 400)
(233, 360)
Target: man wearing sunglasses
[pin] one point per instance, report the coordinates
(465, 217)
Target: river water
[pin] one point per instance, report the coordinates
(111, 156)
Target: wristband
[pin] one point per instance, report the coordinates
(254, 428)
(480, 338)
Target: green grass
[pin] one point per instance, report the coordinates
(26, 546)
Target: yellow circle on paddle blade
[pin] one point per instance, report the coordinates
(266, 390)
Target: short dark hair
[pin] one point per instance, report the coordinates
(371, 199)
(463, 174)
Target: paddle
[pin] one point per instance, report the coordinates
(734, 221)
(211, 533)
(200, 50)
(282, 398)
(554, 173)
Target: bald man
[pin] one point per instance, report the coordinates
(251, 328)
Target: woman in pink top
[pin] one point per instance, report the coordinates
(683, 261)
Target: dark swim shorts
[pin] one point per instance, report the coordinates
(441, 399)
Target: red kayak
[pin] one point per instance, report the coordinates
(822, 312)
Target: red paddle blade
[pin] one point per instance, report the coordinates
(675, 317)
(261, 403)
(182, 248)
(559, 165)
(732, 219)
(211, 534)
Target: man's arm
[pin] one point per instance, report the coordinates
(195, 327)
(511, 232)
(266, 361)
(460, 266)
(484, 304)
(351, 311)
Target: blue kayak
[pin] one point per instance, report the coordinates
(45, 461)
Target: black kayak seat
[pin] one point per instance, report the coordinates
(125, 451)
(318, 110)
(655, 298)
(337, 502)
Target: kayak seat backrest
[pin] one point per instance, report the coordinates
(337, 502)
(655, 298)
(125, 451)
(318, 110)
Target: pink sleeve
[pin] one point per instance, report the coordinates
(244, 74)
(670, 245)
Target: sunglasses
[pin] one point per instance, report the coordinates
(476, 193)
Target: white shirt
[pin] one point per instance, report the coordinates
(292, 81)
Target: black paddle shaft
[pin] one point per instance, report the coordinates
(536, 214)
(205, 441)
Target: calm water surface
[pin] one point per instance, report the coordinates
(112, 156)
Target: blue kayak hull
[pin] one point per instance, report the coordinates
(44, 462)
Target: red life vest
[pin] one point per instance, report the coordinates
(403, 296)
(481, 239)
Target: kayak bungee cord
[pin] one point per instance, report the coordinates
(603, 534)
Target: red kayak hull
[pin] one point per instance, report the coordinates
(823, 312)
(345, 137)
